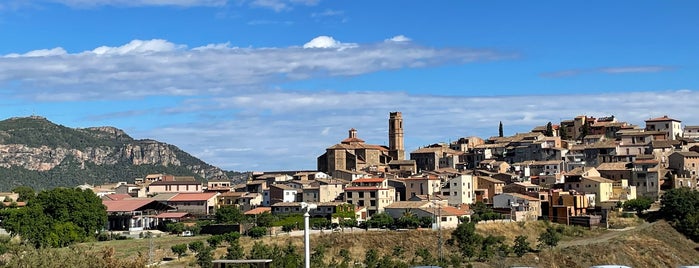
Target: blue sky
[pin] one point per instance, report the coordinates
(269, 84)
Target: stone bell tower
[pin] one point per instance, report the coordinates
(396, 148)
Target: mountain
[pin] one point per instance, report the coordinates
(38, 153)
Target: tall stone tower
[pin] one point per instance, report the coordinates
(396, 148)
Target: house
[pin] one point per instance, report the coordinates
(353, 153)
(400, 208)
(672, 127)
(324, 209)
(195, 203)
(218, 185)
(589, 181)
(349, 175)
(566, 204)
(133, 214)
(646, 176)
(616, 171)
(520, 188)
(685, 164)
(493, 186)
(459, 189)
(372, 193)
(174, 216)
(425, 185)
(174, 187)
(691, 132)
(134, 190)
(445, 217)
(281, 193)
(434, 157)
(230, 199)
(519, 206)
(324, 190)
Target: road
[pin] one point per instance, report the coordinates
(610, 234)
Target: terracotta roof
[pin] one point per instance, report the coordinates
(493, 180)
(408, 204)
(369, 180)
(363, 188)
(176, 183)
(232, 194)
(164, 196)
(663, 118)
(445, 211)
(172, 215)
(522, 196)
(117, 196)
(298, 204)
(258, 210)
(613, 166)
(282, 186)
(599, 179)
(127, 205)
(192, 197)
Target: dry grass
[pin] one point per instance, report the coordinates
(656, 245)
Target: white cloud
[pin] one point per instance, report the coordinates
(327, 13)
(327, 42)
(399, 38)
(160, 68)
(282, 5)
(291, 129)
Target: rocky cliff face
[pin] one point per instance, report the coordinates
(36, 144)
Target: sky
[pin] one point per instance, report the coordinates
(260, 85)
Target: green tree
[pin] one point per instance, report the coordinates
(231, 237)
(380, 220)
(179, 249)
(548, 238)
(288, 227)
(214, 240)
(174, 227)
(489, 246)
(196, 246)
(549, 130)
(82, 208)
(639, 204)
(229, 214)
(371, 259)
(500, 130)
(562, 132)
(265, 219)
(466, 239)
(521, 246)
(235, 251)
(257, 232)
(26, 193)
(205, 257)
(426, 221)
(680, 207)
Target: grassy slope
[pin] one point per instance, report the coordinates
(651, 245)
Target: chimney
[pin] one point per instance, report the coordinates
(352, 133)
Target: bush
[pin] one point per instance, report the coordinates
(257, 232)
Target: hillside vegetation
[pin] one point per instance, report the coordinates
(38, 153)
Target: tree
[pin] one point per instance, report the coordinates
(639, 204)
(179, 249)
(549, 130)
(229, 214)
(26, 193)
(500, 130)
(57, 218)
(257, 232)
(371, 259)
(214, 240)
(489, 245)
(265, 219)
(585, 130)
(562, 132)
(680, 207)
(380, 220)
(521, 246)
(288, 227)
(466, 239)
(196, 246)
(235, 251)
(549, 238)
(205, 257)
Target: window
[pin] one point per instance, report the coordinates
(455, 193)
(444, 218)
(361, 194)
(372, 203)
(372, 194)
(349, 194)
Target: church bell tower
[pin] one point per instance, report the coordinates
(396, 148)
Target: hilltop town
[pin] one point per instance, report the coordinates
(571, 172)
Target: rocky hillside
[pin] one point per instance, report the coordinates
(38, 153)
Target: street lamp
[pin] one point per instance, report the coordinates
(305, 207)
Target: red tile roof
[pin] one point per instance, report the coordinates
(126, 205)
(258, 210)
(663, 118)
(193, 196)
(171, 215)
(117, 196)
(371, 180)
(363, 188)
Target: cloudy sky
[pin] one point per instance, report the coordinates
(269, 84)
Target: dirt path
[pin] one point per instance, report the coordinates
(610, 234)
